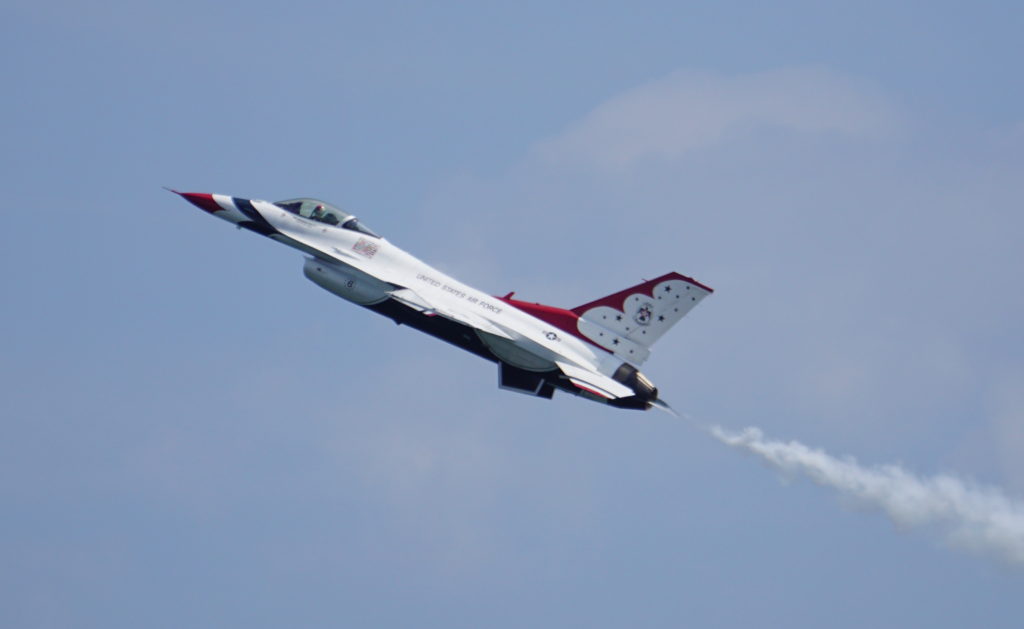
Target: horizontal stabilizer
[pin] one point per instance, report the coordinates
(593, 382)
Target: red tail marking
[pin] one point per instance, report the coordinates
(618, 300)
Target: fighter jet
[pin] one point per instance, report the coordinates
(591, 351)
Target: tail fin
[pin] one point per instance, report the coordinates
(628, 322)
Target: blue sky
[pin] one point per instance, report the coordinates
(195, 435)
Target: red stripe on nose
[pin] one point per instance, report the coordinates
(202, 201)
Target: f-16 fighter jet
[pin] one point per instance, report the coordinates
(591, 351)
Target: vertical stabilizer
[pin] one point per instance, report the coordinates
(628, 322)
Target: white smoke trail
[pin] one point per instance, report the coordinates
(982, 519)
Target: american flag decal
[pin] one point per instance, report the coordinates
(365, 247)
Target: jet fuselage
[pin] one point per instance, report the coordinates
(539, 348)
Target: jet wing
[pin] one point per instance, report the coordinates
(409, 297)
(404, 295)
(414, 300)
(593, 382)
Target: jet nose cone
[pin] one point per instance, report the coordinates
(201, 200)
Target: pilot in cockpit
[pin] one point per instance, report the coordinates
(325, 213)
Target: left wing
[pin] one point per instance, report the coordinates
(414, 300)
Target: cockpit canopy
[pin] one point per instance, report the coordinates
(316, 210)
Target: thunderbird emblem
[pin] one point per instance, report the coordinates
(643, 316)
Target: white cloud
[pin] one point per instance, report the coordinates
(686, 111)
